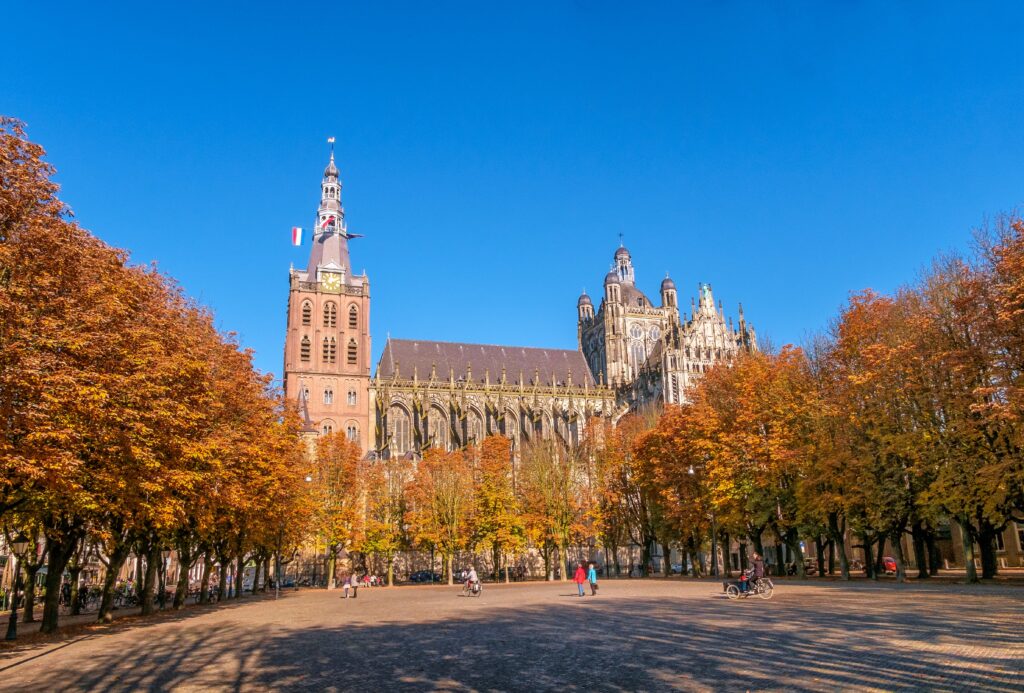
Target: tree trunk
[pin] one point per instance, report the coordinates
(837, 530)
(754, 533)
(934, 555)
(793, 542)
(61, 544)
(74, 577)
(563, 560)
(831, 557)
(869, 558)
(780, 559)
(726, 555)
(332, 565)
(918, 531)
(204, 581)
(115, 562)
(149, 587)
(819, 550)
(666, 560)
(240, 576)
(880, 556)
(986, 540)
(222, 583)
(897, 545)
(449, 561)
(967, 535)
(743, 556)
(29, 611)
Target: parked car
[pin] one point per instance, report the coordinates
(889, 565)
(424, 576)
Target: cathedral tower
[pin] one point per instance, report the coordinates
(327, 345)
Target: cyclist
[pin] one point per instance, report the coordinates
(472, 578)
(755, 572)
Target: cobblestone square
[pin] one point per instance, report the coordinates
(635, 635)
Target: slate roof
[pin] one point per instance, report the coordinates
(552, 364)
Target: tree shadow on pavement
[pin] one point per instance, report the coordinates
(593, 644)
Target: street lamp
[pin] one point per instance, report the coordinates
(18, 547)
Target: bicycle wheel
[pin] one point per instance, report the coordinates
(478, 591)
(766, 589)
(732, 592)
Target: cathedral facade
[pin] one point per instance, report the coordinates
(451, 395)
(327, 343)
(650, 353)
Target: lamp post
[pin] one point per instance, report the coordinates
(18, 547)
(714, 531)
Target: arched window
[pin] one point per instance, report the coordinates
(328, 396)
(330, 350)
(330, 314)
(352, 398)
(328, 428)
(351, 432)
(638, 354)
(353, 318)
(307, 312)
(476, 428)
(305, 393)
(398, 422)
(304, 349)
(353, 352)
(437, 426)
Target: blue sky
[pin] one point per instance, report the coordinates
(787, 153)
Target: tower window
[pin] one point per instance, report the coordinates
(328, 429)
(328, 396)
(304, 351)
(352, 433)
(353, 318)
(307, 312)
(352, 397)
(353, 352)
(330, 314)
(330, 350)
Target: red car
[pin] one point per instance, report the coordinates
(889, 565)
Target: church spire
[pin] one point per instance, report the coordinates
(330, 237)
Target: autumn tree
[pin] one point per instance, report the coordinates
(497, 523)
(440, 504)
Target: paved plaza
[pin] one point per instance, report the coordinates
(635, 635)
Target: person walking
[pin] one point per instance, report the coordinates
(579, 578)
(346, 585)
(592, 579)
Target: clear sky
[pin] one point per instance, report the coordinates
(787, 153)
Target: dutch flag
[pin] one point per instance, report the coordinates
(296, 235)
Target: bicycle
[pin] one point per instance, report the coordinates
(474, 589)
(762, 587)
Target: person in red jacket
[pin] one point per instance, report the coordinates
(580, 577)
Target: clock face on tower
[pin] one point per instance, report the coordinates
(330, 281)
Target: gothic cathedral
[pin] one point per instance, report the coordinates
(327, 345)
(654, 353)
